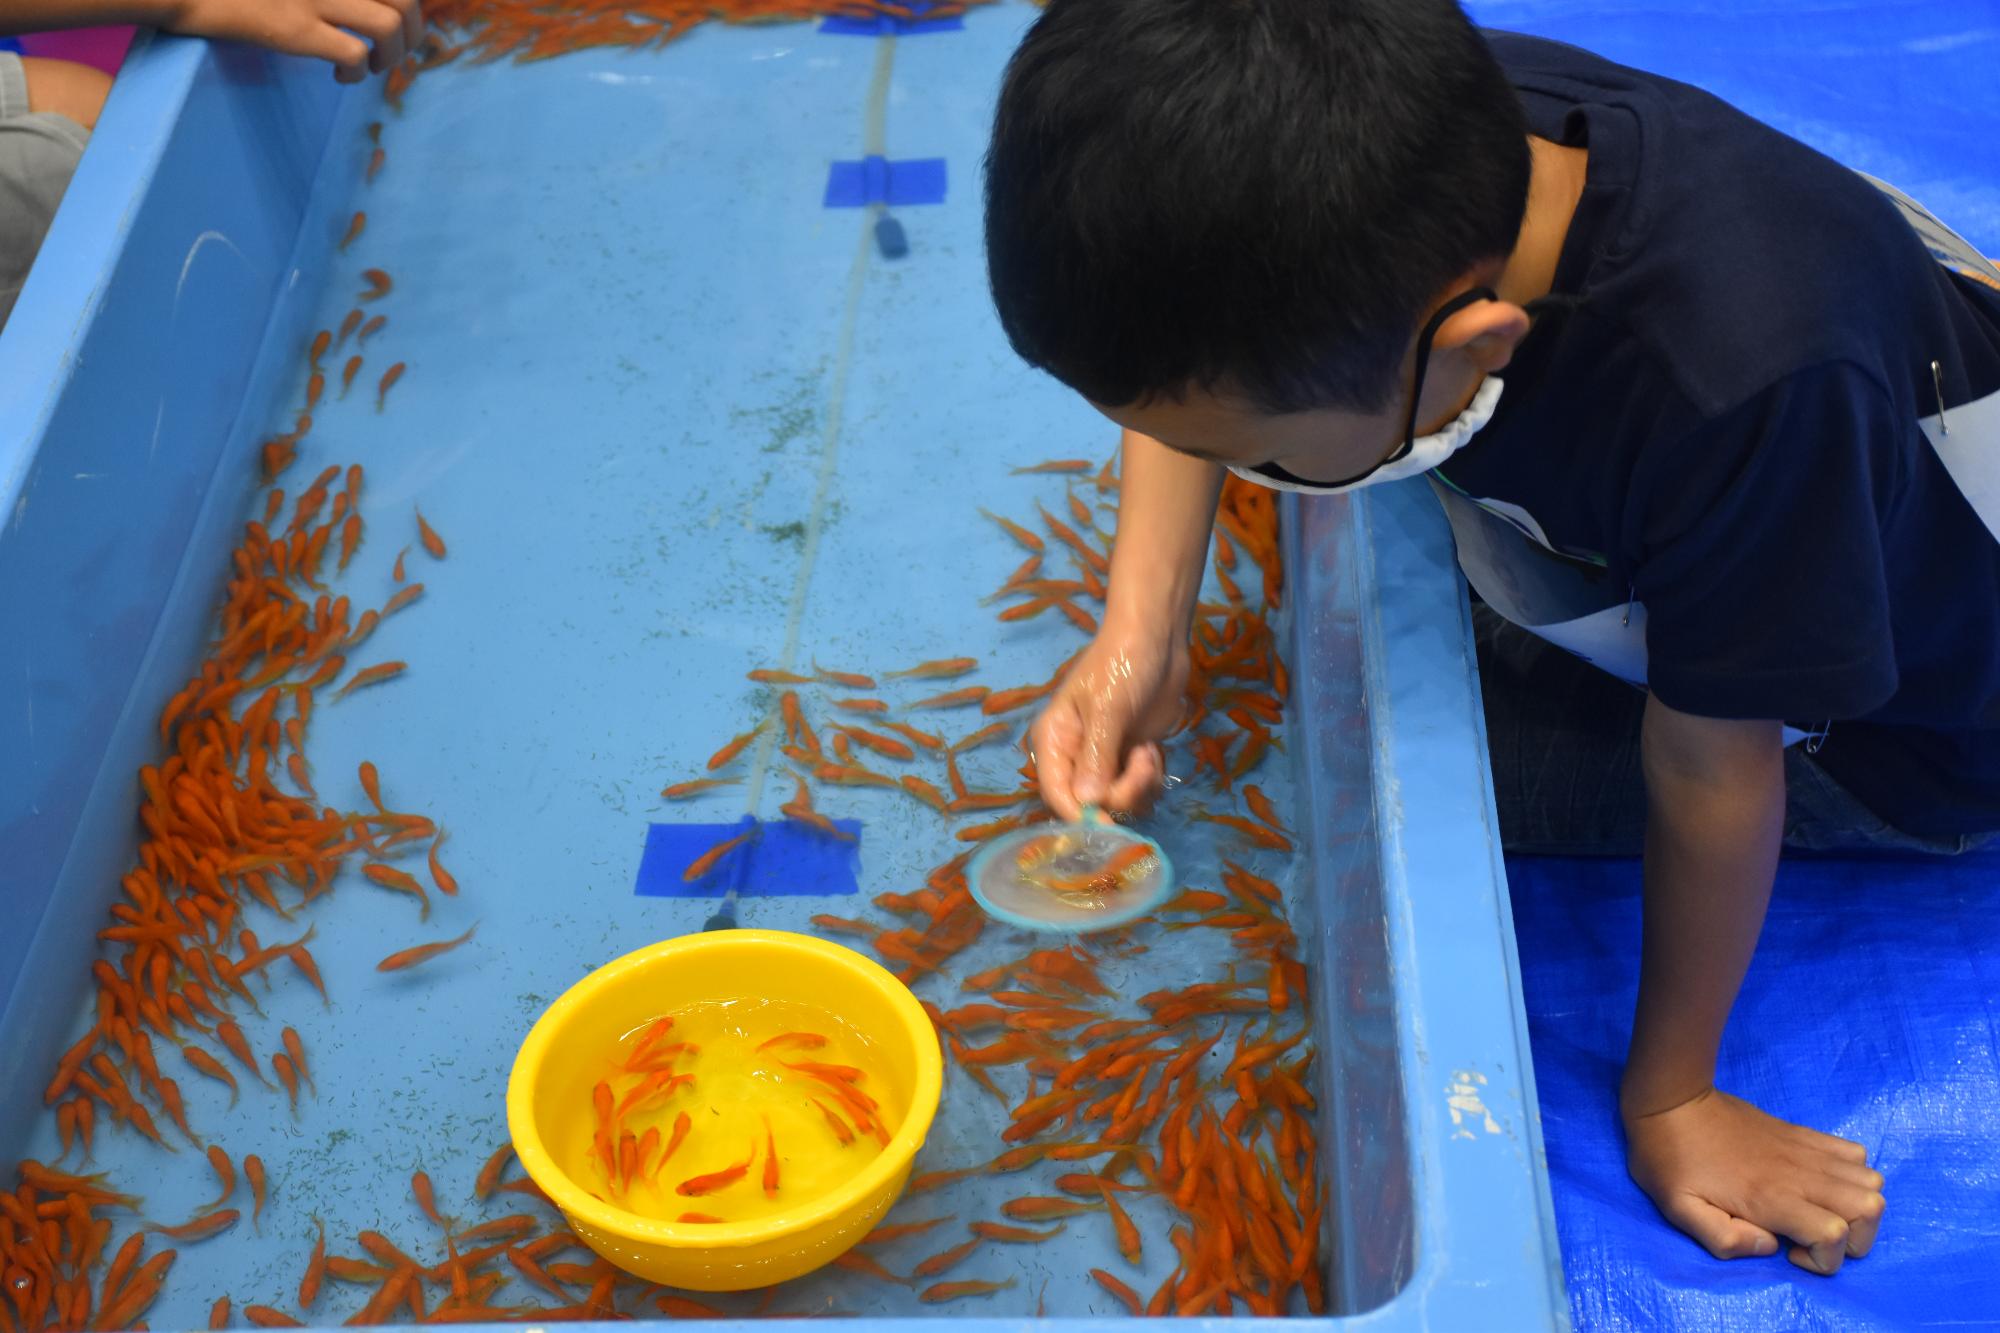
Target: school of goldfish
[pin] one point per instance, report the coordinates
(1195, 1099)
(1194, 1096)
(219, 829)
(632, 1142)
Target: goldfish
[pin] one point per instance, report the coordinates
(851, 775)
(447, 884)
(397, 572)
(857, 1262)
(389, 378)
(947, 1259)
(489, 1174)
(770, 1161)
(375, 161)
(882, 1235)
(1015, 1235)
(924, 792)
(841, 925)
(1006, 701)
(951, 1291)
(991, 732)
(696, 1186)
(347, 374)
(882, 745)
(372, 326)
(201, 1228)
(1125, 1294)
(680, 791)
(433, 544)
(205, 1063)
(682, 1124)
(861, 705)
(1256, 832)
(354, 230)
(937, 1179)
(315, 1270)
(706, 862)
(225, 1175)
(1044, 1208)
(347, 326)
(315, 386)
(834, 1122)
(971, 694)
(400, 880)
(1057, 465)
(735, 747)
(367, 676)
(808, 1041)
(288, 1076)
(320, 342)
(296, 1050)
(350, 537)
(852, 680)
(232, 1038)
(379, 286)
(423, 953)
(942, 668)
(403, 597)
(771, 676)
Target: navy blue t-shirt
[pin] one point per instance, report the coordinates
(1753, 461)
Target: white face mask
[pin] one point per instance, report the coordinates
(1416, 456)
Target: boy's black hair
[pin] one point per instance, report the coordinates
(1261, 195)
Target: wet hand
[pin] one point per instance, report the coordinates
(331, 30)
(1096, 742)
(1737, 1180)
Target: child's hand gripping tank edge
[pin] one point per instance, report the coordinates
(1326, 244)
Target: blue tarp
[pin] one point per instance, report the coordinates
(1872, 1011)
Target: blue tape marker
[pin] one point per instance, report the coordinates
(787, 859)
(888, 25)
(876, 180)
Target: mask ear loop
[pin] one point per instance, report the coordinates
(1471, 296)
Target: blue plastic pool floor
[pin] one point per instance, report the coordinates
(632, 334)
(1869, 1010)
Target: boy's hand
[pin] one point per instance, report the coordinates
(323, 28)
(1096, 740)
(1736, 1179)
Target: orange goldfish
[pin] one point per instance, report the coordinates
(389, 378)
(682, 790)
(379, 286)
(354, 229)
(696, 1186)
(433, 544)
(422, 953)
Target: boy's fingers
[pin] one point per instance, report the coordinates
(380, 23)
(1860, 1205)
(1820, 1236)
(1133, 788)
(326, 42)
(1719, 1233)
(1054, 745)
(413, 22)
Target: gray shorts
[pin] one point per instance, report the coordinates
(38, 153)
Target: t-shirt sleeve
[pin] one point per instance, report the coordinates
(1761, 559)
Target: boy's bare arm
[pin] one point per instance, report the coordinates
(324, 28)
(1723, 1171)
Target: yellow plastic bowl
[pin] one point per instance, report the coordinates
(556, 1066)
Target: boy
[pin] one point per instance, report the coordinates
(49, 107)
(1704, 408)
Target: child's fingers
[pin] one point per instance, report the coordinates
(1054, 744)
(413, 22)
(1134, 787)
(1718, 1232)
(380, 23)
(326, 42)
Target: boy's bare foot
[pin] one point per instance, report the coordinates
(1736, 1179)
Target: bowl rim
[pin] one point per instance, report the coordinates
(575, 1201)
